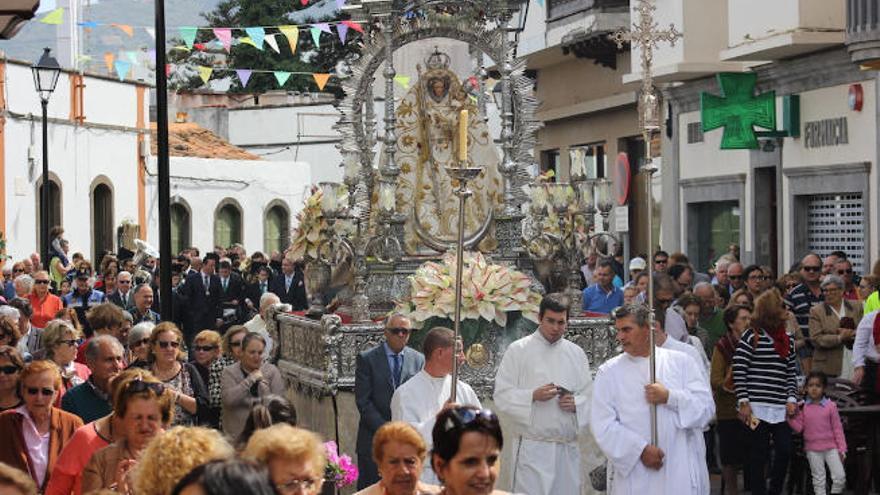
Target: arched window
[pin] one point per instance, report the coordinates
(54, 207)
(227, 224)
(102, 220)
(180, 228)
(276, 229)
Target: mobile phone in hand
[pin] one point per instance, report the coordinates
(560, 390)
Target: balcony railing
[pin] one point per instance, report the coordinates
(863, 32)
(557, 9)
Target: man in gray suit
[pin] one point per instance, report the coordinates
(380, 371)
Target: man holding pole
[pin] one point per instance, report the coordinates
(623, 397)
(543, 386)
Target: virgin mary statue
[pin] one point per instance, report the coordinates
(427, 130)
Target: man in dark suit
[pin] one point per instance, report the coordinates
(380, 371)
(199, 295)
(255, 291)
(231, 295)
(290, 286)
(121, 296)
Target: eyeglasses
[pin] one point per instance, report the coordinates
(734, 277)
(463, 416)
(46, 392)
(306, 485)
(18, 270)
(205, 348)
(811, 268)
(137, 386)
(844, 272)
(661, 262)
(759, 277)
(165, 344)
(41, 282)
(139, 343)
(399, 330)
(9, 370)
(123, 281)
(235, 343)
(70, 342)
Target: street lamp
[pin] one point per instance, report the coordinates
(45, 72)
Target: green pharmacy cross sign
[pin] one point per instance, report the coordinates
(738, 110)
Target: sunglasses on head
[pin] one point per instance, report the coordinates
(205, 348)
(9, 370)
(46, 392)
(165, 344)
(463, 416)
(811, 268)
(399, 330)
(137, 386)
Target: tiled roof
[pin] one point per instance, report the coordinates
(189, 139)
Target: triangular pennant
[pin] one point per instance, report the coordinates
(316, 36)
(151, 32)
(323, 26)
(125, 28)
(152, 55)
(292, 34)
(122, 68)
(281, 76)
(244, 75)
(340, 4)
(132, 57)
(342, 31)
(108, 61)
(257, 34)
(273, 43)
(354, 25)
(403, 81)
(321, 80)
(245, 40)
(54, 17)
(199, 46)
(205, 73)
(225, 37)
(88, 24)
(188, 33)
(304, 2)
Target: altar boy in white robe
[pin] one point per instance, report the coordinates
(543, 386)
(422, 397)
(620, 419)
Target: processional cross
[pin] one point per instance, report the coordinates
(646, 35)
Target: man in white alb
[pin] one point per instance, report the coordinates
(620, 414)
(422, 397)
(543, 386)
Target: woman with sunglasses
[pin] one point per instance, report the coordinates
(143, 406)
(139, 344)
(206, 350)
(11, 364)
(35, 433)
(467, 451)
(61, 341)
(9, 334)
(295, 458)
(231, 347)
(244, 384)
(399, 452)
(45, 304)
(167, 364)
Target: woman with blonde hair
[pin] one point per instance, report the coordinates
(295, 458)
(399, 452)
(231, 351)
(11, 364)
(61, 342)
(171, 455)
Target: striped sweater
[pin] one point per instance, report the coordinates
(761, 375)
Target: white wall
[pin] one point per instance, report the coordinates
(781, 16)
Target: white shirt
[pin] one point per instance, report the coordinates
(864, 346)
(620, 421)
(37, 444)
(675, 325)
(419, 400)
(256, 324)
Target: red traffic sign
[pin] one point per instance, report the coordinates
(622, 178)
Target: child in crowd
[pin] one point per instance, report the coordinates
(630, 293)
(824, 443)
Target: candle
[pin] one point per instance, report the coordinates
(462, 135)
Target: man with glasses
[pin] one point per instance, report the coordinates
(143, 301)
(661, 261)
(83, 296)
(735, 274)
(91, 400)
(801, 300)
(121, 296)
(380, 371)
(543, 387)
(844, 270)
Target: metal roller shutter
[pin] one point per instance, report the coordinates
(836, 222)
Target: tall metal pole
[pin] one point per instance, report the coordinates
(164, 167)
(44, 196)
(649, 173)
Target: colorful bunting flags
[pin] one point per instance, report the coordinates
(316, 36)
(257, 34)
(292, 35)
(132, 56)
(225, 37)
(188, 33)
(125, 28)
(108, 61)
(321, 80)
(88, 24)
(122, 67)
(205, 73)
(244, 75)
(403, 81)
(342, 31)
(273, 43)
(340, 4)
(282, 77)
(54, 17)
(151, 32)
(352, 24)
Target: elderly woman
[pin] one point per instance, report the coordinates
(173, 454)
(24, 285)
(206, 350)
(34, 434)
(60, 340)
(11, 364)
(31, 337)
(139, 344)
(245, 383)
(143, 406)
(9, 333)
(741, 297)
(867, 286)
(399, 452)
(167, 364)
(295, 458)
(231, 354)
(833, 327)
(731, 431)
(45, 304)
(467, 450)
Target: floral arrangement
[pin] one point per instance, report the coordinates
(340, 469)
(489, 292)
(308, 234)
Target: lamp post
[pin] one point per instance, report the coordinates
(45, 72)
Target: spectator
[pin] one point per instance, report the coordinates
(231, 347)
(104, 319)
(602, 296)
(139, 345)
(289, 285)
(769, 280)
(59, 264)
(732, 433)
(35, 433)
(244, 384)
(867, 286)
(143, 301)
(254, 291)
(641, 283)
(269, 410)
(15, 482)
(833, 328)
(84, 296)
(872, 303)
(231, 296)
(173, 454)
(107, 283)
(829, 263)
(143, 407)
(9, 334)
(226, 477)
(735, 274)
(64, 288)
(587, 268)
(844, 270)
(683, 275)
(199, 295)
(630, 294)
(122, 295)
(741, 297)
(691, 307)
(788, 282)
(24, 285)
(721, 277)
(11, 364)
(801, 300)
(661, 261)
(60, 341)
(31, 337)
(866, 356)
(711, 316)
(636, 266)
(295, 458)
(45, 304)
(399, 452)
(755, 278)
(205, 351)
(765, 380)
(91, 400)
(258, 324)
(466, 433)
